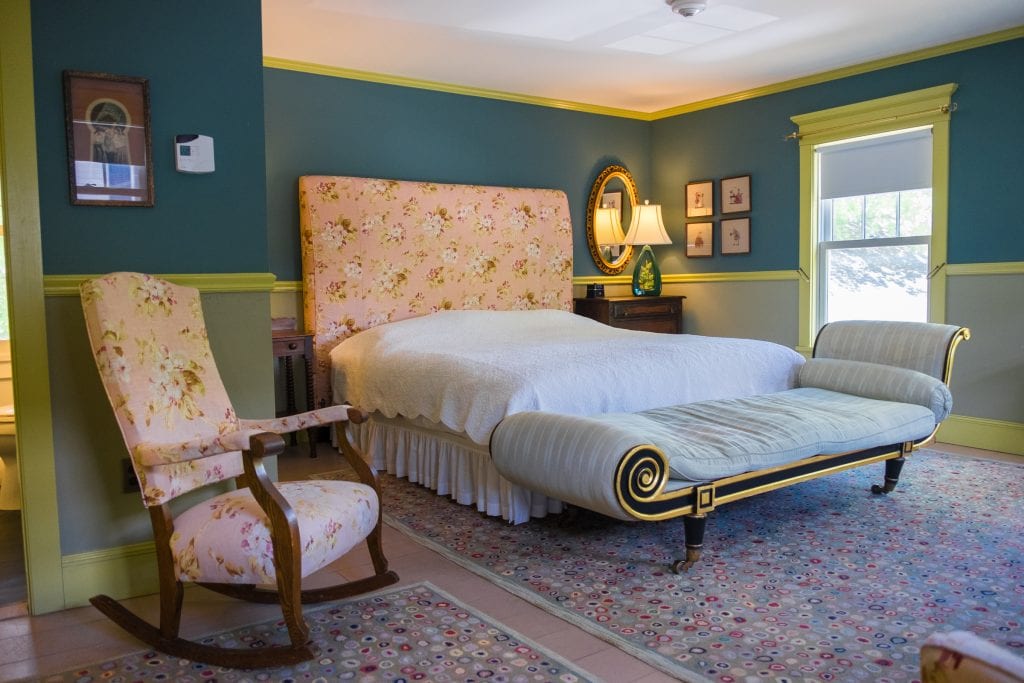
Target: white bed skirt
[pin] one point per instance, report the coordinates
(450, 464)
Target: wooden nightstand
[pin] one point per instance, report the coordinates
(289, 343)
(644, 313)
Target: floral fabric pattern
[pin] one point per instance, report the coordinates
(227, 538)
(149, 340)
(376, 251)
(150, 343)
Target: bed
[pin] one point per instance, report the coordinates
(400, 275)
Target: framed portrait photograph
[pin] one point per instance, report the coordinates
(699, 199)
(735, 235)
(735, 194)
(110, 162)
(698, 240)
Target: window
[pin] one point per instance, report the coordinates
(874, 227)
(874, 180)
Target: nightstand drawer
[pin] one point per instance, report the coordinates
(642, 308)
(289, 346)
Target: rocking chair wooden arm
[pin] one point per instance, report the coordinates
(284, 526)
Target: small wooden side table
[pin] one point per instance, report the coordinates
(287, 345)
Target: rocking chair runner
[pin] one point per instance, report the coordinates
(149, 341)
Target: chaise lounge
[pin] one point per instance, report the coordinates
(874, 391)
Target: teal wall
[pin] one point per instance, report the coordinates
(986, 164)
(205, 77)
(204, 65)
(335, 126)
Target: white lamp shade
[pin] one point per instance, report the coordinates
(647, 226)
(608, 227)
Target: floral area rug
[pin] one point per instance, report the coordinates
(410, 633)
(819, 581)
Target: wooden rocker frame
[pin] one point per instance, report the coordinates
(287, 561)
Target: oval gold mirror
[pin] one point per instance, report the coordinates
(609, 211)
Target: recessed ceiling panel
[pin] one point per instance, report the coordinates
(732, 18)
(686, 32)
(648, 45)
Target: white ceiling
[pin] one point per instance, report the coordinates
(629, 54)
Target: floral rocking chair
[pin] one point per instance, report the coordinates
(149, 341)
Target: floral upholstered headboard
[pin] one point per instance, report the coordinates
(375, 251)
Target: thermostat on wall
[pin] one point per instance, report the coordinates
(193, 153)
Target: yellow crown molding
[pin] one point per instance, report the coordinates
(690, 278)
(283, 286)
(978, 432)
(772, 89)
(67, 285)
(1005, 268)
(845, 72)
(387, 79)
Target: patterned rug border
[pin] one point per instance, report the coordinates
(640, 653)
(570, 665)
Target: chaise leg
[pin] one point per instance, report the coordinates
(892, 475)
(693, 526)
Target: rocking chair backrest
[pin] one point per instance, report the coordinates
(149, 341)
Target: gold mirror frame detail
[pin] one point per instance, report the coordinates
(607, 175)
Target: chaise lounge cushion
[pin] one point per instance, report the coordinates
(714, 439)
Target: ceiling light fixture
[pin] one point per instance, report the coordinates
(687, 8)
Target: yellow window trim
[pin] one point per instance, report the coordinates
(927, 107)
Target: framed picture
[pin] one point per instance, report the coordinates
(735, 194)
(612, 200)
(698, 240)
(699, 200)
(735, 234)
(110, 162)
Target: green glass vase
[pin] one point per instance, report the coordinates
(646, 274)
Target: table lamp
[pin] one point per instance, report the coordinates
(647, 228)
(608, 230)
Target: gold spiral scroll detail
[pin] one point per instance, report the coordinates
(641, 476)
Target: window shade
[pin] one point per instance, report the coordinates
(890, 163)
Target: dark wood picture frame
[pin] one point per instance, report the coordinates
(700, 198)
(110, 159)
(735, 194)
(734, 234)
(700, 240)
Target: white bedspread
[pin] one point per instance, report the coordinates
(469, 369)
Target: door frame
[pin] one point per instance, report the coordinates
(27, 306)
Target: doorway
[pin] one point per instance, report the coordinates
(13, 588)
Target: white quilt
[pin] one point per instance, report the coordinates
(469, 369)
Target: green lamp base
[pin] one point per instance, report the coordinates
(646, 274)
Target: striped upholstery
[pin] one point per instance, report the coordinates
(914, 346)
(573, 457)
(882, 382)
(714, 439)
(870, 384)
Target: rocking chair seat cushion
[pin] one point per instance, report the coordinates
(226, 539)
